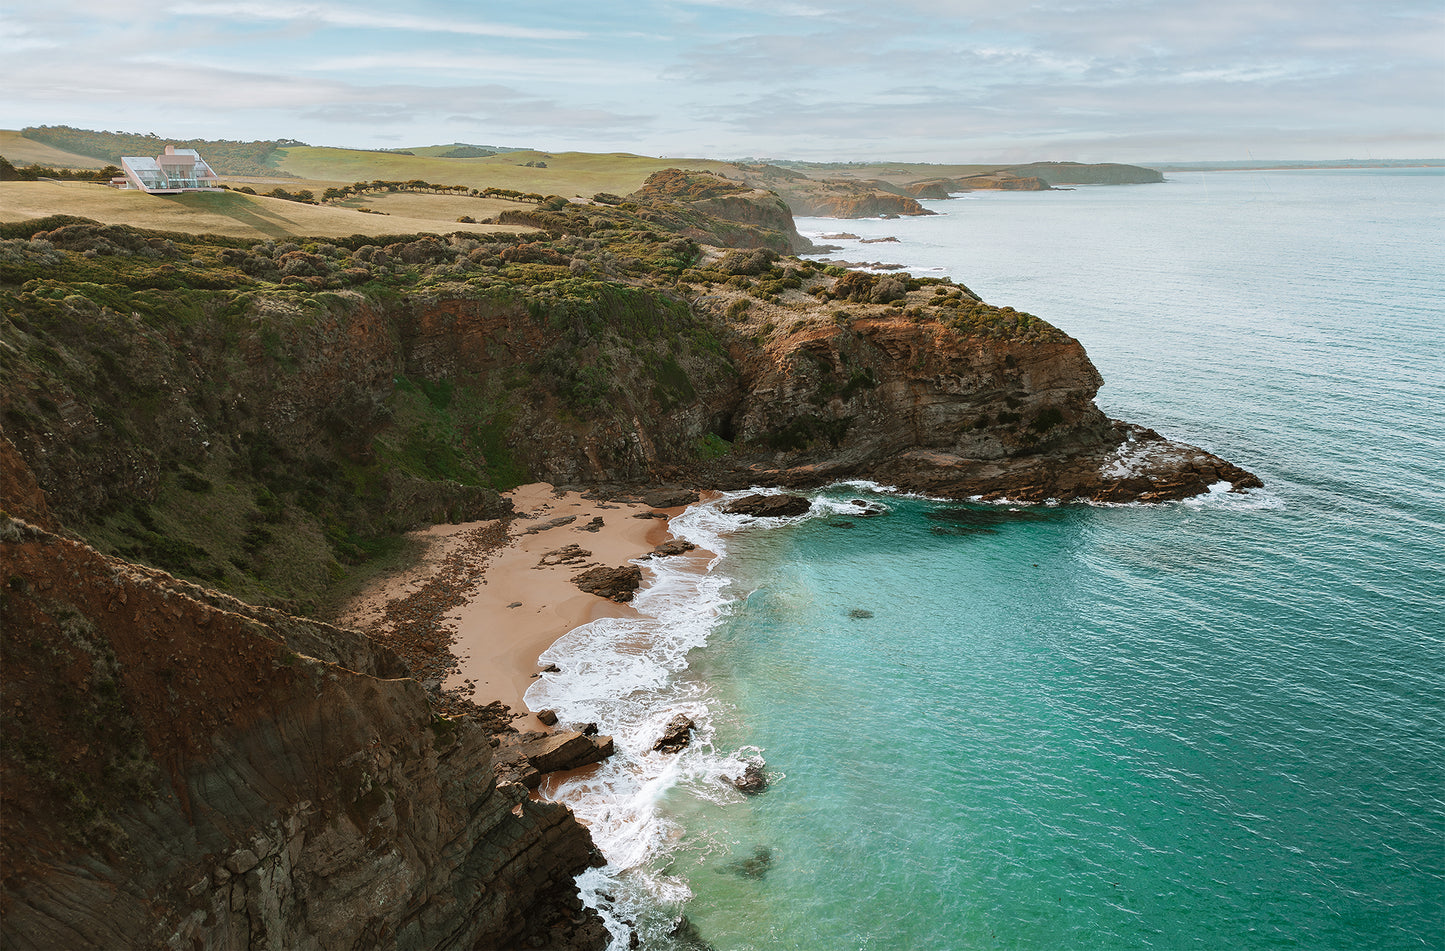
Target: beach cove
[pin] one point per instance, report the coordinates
(508, 588)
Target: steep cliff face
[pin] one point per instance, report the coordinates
(852, 201)
(193, 772)
(265, 443)
(1076, 173)
(759, 218)
(825, 197)
(983, 402)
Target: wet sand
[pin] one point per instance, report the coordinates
(496, 601)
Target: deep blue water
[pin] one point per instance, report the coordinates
(1213, 724)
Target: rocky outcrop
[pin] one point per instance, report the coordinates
(1001, 180)
(727, 213)
(673, 546)
(524, 757)
(190, 772)
(768, 506)
(753, 781)
(920, 406)
(614, 584)
(854, 203)
(824, 197)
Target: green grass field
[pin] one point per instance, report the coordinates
(22, 151)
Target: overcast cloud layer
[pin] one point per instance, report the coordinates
(923, 80)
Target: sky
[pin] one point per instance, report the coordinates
(908, 80)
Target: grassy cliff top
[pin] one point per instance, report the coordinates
(568, 174)
(249, 216)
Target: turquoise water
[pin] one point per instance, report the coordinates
(1213, 724)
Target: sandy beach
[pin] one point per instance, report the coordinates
(496, 596)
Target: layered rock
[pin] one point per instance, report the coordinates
(919, 405)
(193, 772)
(1002, 180)
(759, 217)
(824, 197)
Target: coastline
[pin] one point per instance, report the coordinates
(486, 599)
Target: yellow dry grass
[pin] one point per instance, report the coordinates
(224, 213)
(569, 174)
(21, 151)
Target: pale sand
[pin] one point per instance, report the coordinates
(367, 611)
(497, 644)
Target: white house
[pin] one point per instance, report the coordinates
(178, 170)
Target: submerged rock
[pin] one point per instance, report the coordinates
(752, 782)
(755, 866)
(688, 937)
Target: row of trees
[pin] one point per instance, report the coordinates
(226, 156)
(374, 187)
(424, 187)
(34, 172)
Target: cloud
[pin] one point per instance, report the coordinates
(354, 18)
(511, 66)
(940, 79)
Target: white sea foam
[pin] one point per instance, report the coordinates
(1222, 495)
(630, 676)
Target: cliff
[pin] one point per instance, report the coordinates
(927, 388)
(832, 197)
(719, 211)
(265, 420)
(816, 193)
(1077, 173)
(189, 771)
(1005, 180)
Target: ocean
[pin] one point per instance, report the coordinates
(1218, 723)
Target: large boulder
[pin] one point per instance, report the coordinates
(615, 584)
(760, 505)
(525, 757)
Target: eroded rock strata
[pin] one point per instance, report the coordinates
(184, 770)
